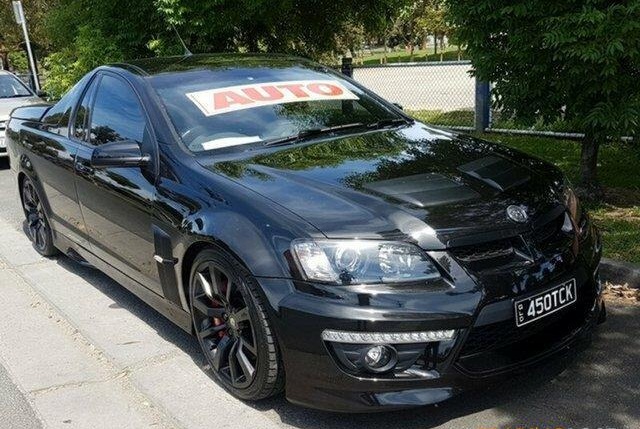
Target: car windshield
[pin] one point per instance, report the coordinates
(232, 109)
(11, 86)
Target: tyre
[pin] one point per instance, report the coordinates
(232, 327)
(37, 228)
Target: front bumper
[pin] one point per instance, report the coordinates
(488, 345)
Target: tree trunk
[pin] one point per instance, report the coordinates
(435, 44)
(589, 187)
(386, 50)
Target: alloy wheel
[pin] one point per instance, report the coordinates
(37, 226)
(224, 326)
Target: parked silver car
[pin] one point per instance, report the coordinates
(13, 93)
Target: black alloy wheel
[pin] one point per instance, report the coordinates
(232, 327)
(37, 227)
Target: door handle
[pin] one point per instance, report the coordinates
(83, 168)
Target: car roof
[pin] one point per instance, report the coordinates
(157, 65)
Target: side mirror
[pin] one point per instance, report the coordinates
(399, 106)
(124, 153)
(40, 93)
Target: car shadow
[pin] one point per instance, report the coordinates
(597, 387)
(124, 299)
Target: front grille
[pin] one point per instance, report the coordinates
(548, 237)
(550, 231)
(491, 250)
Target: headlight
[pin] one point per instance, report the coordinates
(362, 261)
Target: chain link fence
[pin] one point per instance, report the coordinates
(440, 93)
(445, 94)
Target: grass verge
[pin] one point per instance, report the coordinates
(449, 54)
(464, 118)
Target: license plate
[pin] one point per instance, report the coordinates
(545, 303)
(2, 141)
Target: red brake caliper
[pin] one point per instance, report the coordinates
(216, 320)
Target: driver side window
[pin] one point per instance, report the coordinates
(117, 113)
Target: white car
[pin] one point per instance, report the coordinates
(13, 93)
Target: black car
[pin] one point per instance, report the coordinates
(298, 224)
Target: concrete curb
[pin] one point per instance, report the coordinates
(618, 272)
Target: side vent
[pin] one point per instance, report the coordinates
(166, 264)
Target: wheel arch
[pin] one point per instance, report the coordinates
(33, 177)
(189, 256)
(261, 251)
(21, 177)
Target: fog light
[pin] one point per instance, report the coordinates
(380, 358)
(377, 356)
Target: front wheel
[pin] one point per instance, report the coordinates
(232, 326)
(37, 225)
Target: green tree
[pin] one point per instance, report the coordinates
(11, 37)
(432, 21)
(127, 25)
(301, 27)
(407, 24)
(88, 50)
(574, 60)
(418, 19)
(85, 33)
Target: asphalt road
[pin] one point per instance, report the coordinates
(15, 410)
(430, 87)
(83, 353)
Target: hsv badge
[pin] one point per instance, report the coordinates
(517, 214)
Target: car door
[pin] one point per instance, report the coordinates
(52, 155)
(117, 202)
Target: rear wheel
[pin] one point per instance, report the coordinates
(37, 227)
(232, 327)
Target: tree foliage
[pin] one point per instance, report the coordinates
(11, 38)
(417, 19)
(83, 33)
(127, 25)
(575, 60)
(35, 11)
(89, 49)
(302, 27)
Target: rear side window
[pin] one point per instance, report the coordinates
(82, 113)
(58, 116)
(117, 113)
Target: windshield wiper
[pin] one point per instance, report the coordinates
(312, 132)
(388, 122)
